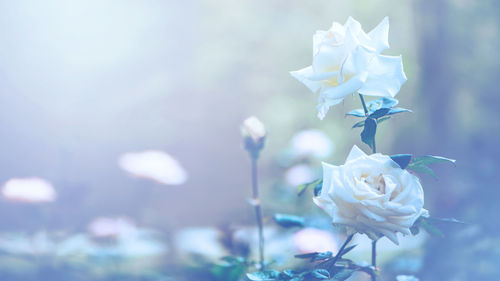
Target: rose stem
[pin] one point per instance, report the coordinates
(258, 211)
(374, 258)
(374, 149)
(363, 102)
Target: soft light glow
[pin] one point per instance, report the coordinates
(299, 174)
(29, 190)
(111, 227)
(200, 242)
(312, 143)
(315, 240)
(155, 165)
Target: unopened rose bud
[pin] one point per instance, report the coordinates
(254, 134)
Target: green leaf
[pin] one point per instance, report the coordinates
(289, 273)
(315, 256)
(375, 105)
(402, 159)
(384, 102)
(309, 255)
(264, 275)
(446, 220)
(382, 119)
(232, 270)
(419, 163)
(424, 223)
(347, 250)
(379, 113)
(359, 124)
(431, 159)
(318, 188)
(233, 259)
(357, 113)
(320, 273)
(343, 275)
(368, 133)
(289, 220)
(427, 223)
(397, 110)
(421, 169)
(303, 187)
(379, 108)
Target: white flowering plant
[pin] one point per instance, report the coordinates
(373, 194)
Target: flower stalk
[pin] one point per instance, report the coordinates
(374, 258)
(374, 149)
(254, 135)
(258, 211)
(364, 104)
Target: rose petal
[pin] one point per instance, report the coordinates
(380, 36)
(355, 153)
(324, 104)
(357, 61)
(329, 58)
(372, 215)
(385, 77)
(333, 36)
(353, 25)
(323, 76)
(350, 86)
(302, 75)
(391, 235)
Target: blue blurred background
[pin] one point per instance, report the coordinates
(89, 88)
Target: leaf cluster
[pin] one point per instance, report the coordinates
(376, 112)
(317, 184)
(429, 224)
(420, 163)
(231, 269)
(327, 267)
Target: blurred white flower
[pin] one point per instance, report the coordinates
(347, 60)
(299, 174)
(155, 165)
(371, 194)
(277, 241)
(29, 190)
(140, 244)
(111, 227)
(77, 244)
(406, 278)
(311, 143)
(200, 242)
(310, 240)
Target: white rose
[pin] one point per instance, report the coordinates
(347, 60)
(371, 194)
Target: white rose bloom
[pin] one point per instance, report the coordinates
(348, 60)
(371, 194)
